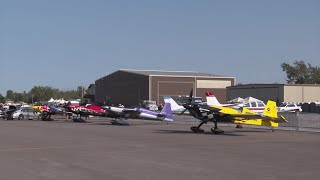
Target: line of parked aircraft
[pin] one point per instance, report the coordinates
(211, 111)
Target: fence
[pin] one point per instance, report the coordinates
(302, 121)
(296, 121)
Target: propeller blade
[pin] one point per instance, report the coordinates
(190, 96)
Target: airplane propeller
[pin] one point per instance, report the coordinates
(189, 102)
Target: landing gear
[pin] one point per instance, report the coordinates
(272, 129)
(215, 129)
(239, 126)
(119, 122)
(197, 129)
(78, 119)
(45, 116)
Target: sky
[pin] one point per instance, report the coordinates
(70, 43)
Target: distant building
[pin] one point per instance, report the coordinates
(90, 94)
(131, 87)
(277, 92)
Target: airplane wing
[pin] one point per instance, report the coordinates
(241, 114)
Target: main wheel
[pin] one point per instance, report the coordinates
(20, 117)
(239, 126)
(195, 129)
(217, 131)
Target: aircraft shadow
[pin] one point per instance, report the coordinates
(226, 133)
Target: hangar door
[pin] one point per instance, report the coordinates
(169, 88)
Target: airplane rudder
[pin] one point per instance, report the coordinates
(172, 102)
(167, 110)
(271, 109)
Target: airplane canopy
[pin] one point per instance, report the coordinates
(236, 100)
(251, 99)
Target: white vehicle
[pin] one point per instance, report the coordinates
(1, 113)
(289, 108)
(24, 113)
(151, 105)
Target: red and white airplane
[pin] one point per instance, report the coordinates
(213, 101)
(85, 111)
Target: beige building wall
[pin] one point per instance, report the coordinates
(302, 93)
(213, 83)
(293, 94)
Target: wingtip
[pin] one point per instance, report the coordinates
(209, 94)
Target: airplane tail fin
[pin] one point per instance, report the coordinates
(167, 112)
(271, 110)
(269, 118)
(212, 100)
(174, 105)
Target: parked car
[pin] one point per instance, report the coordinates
(24, 113)
(1, 113)
(289, 108)
(151, 105)
(8, 113)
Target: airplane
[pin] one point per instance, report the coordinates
(255, 106)
(215, 114)
(45, 112)
(84, 111)
(175, 107)
(213, 101)
(137, 113)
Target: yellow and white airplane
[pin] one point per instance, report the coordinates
(216, 114)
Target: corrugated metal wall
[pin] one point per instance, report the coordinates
(122, 87)
(263, 93)
(181, 86)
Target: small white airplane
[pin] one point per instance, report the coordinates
(256, 106)
(175, 107)
(213, 101)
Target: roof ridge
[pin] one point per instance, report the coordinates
(156, 70)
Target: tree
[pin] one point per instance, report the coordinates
(1, 99)
(301, 73)
(10, 95)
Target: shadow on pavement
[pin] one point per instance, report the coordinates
(226, 133)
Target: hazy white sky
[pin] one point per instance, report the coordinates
(66, 43)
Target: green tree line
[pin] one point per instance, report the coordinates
(41, 94)
(301, 73)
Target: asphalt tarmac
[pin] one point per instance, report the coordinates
(147, 150)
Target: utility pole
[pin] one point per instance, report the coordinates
(82, 91)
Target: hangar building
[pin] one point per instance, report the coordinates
(131, 87)
(277, 92)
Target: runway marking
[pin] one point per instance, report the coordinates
(26, 149)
